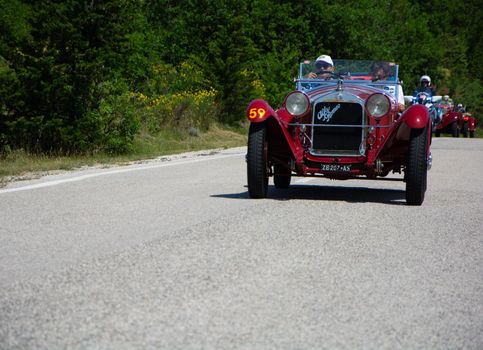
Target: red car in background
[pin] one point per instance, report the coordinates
(455, 122)
(467, 125)
(450, 121)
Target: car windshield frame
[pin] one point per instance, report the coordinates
(350, 72)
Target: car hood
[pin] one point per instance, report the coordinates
(347, 93)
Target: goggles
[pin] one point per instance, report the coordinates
(323, 65)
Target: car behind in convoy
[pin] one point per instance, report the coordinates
(467, 125)
(450, 121)
(344, 127)
(454, 121)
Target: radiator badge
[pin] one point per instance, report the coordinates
(325, 114)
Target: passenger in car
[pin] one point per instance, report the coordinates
(381, 71)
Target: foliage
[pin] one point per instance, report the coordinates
(113, 125)
(177, 97)
(69, 50)
(80, 76)
(183, 110)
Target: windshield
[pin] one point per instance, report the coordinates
(352, 70)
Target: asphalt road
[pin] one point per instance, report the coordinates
(172, 254)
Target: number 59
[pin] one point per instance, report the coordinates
(254, 112)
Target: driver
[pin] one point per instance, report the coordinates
(424, 86)
(445, 104)
(324, 68)
(460, 108)
(446, 101)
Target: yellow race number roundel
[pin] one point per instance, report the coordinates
(256, 113)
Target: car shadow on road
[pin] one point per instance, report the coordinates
(329, 193)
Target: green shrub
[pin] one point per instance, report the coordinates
(113, 125)
(183, 110)
(176, 97)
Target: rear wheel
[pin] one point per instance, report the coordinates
(472, 133)
(417, 167)
(437, 133)
(281, 176)
(257, 173)
(465, 131)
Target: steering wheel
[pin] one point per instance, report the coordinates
(327, 72)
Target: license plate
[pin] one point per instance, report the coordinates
(336, 167)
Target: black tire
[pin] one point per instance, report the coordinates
(465, 131)
(257, 173)
(472, 133)
(437, 133)
(416, 172)
(281, 176)
(454, 130)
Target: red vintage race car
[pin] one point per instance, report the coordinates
(450, 121)
(467, 125)
(342, 127)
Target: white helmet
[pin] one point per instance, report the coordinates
(425, 78)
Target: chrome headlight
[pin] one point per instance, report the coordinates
(378, 105)
(297, 103)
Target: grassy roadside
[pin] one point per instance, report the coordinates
(19, 165)
(478, 132)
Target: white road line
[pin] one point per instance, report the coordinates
(117, 171)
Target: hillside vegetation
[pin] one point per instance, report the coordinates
(83, 77)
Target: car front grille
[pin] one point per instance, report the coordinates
(338, 128)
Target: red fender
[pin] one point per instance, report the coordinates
(450, 118)
(472, 124)
(259, 111)
(416, 116)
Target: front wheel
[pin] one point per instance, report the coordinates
(416, 172)
(257, 173)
